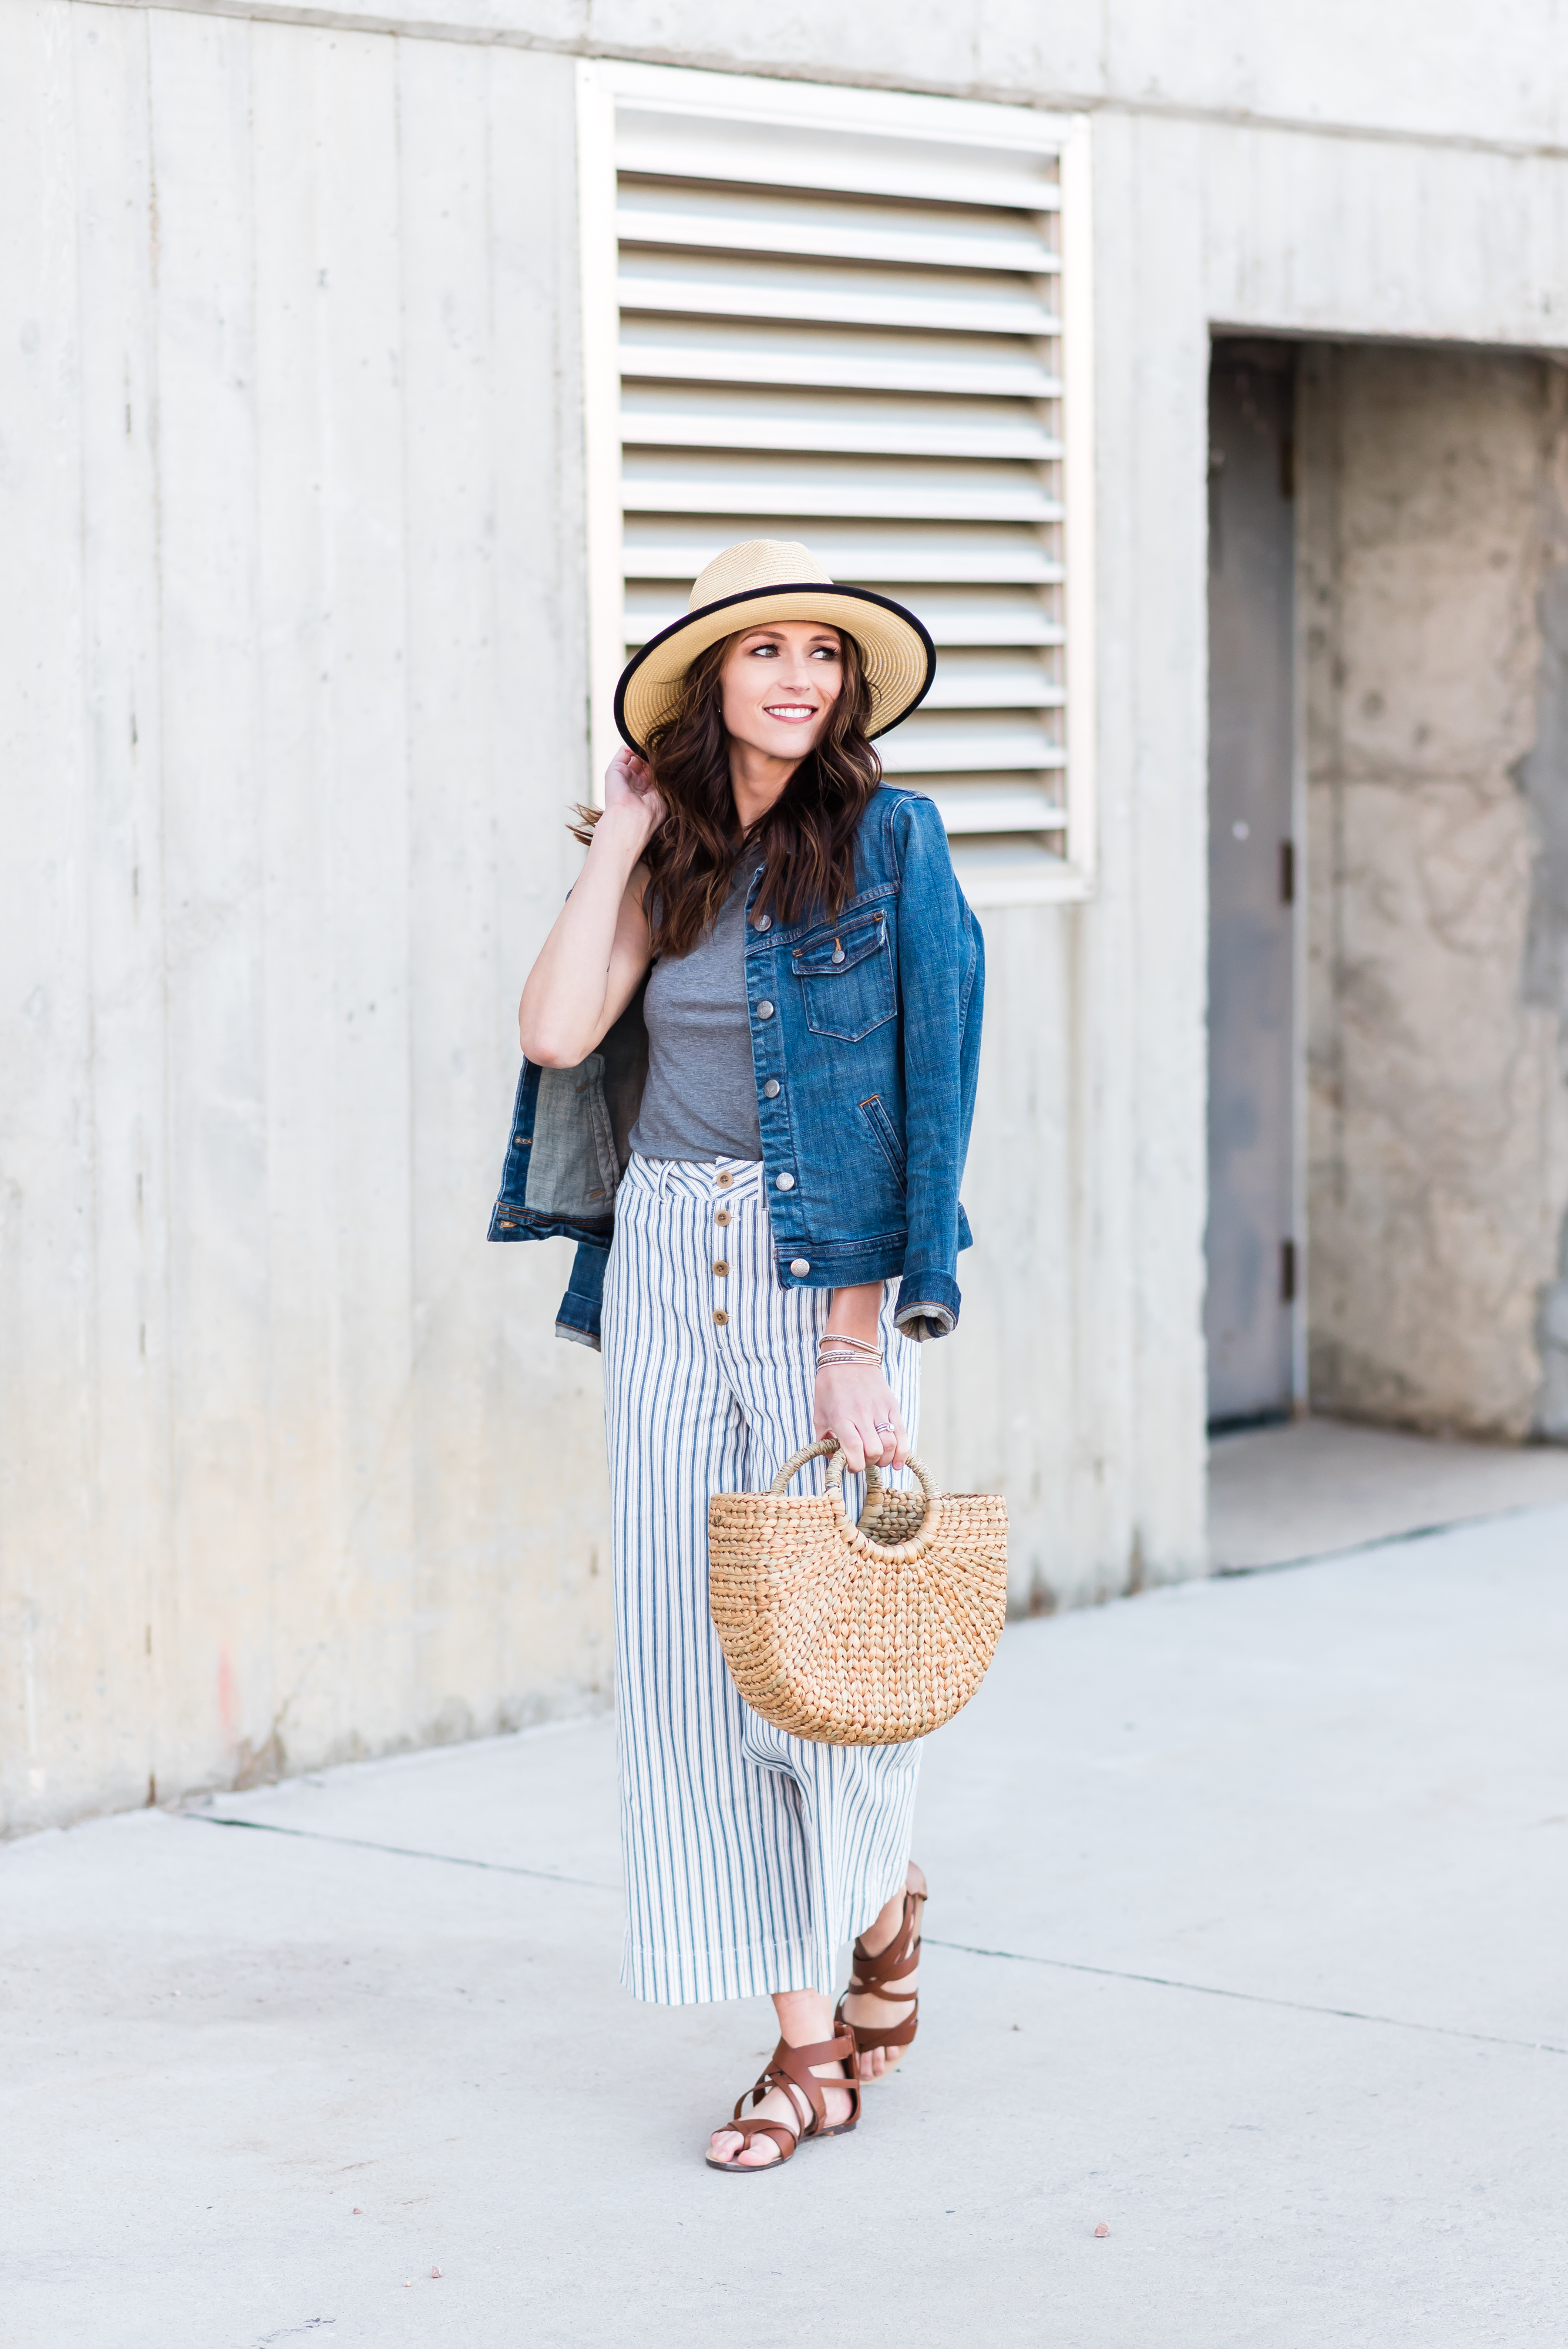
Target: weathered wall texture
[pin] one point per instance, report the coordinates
(1434, 537)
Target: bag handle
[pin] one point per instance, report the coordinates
(917, 1542)
(797, 1461)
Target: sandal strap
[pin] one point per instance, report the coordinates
(770, 2078)
(790, 2069)
(873, 1970)
(875, 1973)
(782, 2136)
(875, 1987)
(869, 2036)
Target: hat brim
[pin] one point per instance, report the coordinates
(897, 654)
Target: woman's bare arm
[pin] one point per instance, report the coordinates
(593, 961)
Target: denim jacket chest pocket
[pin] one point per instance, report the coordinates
(846, 978)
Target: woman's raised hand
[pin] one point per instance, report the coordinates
(628, 783)
(589, 966)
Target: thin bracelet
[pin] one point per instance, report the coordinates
(842, 1338)
(826, 1361)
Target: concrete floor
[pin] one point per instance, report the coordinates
(1279, 1495)
(1246, 1941)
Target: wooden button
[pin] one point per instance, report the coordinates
(719, 1316)
(722, 1269)
(725, 1180)
(723, 1216)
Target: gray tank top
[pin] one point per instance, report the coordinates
(700, 1098)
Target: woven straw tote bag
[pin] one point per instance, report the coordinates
(856, 1635)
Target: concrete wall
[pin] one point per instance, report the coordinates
(293, 596)
(291, 1466)
(1434, 536)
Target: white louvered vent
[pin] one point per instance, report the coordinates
(837, 320)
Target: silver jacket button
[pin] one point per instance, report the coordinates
(837, 954)
(800, 1267)
(772, 1089)
(763, 922)
(784, 1182)
(765, 1009)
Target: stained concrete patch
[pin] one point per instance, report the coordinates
(1277, 1495)
(1542, 776)
(1434, 530)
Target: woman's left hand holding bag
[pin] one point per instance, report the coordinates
(854, 1403)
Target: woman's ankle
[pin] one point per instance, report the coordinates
(883, 1930)
(805, 2016)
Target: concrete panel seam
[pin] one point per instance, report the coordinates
(338, 20)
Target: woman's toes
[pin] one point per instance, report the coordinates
(759, 2153)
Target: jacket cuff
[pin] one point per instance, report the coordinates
(575, 1337)
(578, 1319)
(928, 1304)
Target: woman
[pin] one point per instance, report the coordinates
(750, 1044)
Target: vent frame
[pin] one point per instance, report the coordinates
(733, 334)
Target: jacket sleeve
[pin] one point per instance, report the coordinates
(941, 984)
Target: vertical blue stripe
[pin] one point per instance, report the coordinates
(751, 1857)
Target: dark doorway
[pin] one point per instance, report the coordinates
(1249, 1310)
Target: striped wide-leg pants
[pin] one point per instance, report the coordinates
(752, 1857)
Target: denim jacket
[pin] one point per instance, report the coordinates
(866, 1045)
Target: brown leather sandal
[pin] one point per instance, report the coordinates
(790, 2068)
(875, 1973)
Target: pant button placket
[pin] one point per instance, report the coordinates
(723, 1216)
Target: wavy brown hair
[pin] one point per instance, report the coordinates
(807, 839)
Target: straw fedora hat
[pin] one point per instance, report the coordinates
(777, 579)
